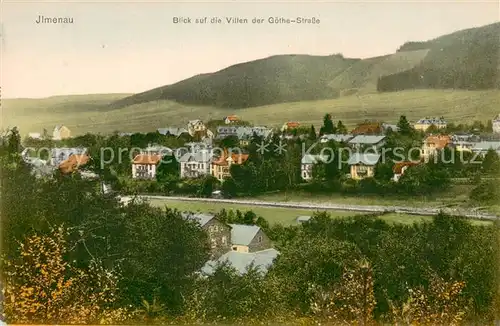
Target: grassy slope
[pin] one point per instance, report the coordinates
(464, 59)
(362, 75)
(275, 215)
(80, 117)
(277, 79)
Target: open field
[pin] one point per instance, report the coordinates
(457, 196)
(284, 216)
(92, 114)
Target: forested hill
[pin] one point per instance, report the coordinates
(467, 59)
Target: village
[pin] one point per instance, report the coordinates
(243, 245)
(199, 158)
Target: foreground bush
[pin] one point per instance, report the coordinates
(43, 288)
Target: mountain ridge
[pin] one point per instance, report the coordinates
(460, 60)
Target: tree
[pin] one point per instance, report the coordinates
(312, 133)
(383, 171)
(157, 262)
(14, 142)
(341, 129)
(491, 162)
(230, 142)
(439, 304)
(167, 172)
(41, 287)
(404, 126)
(351, 301)
(486, 192)
(207, 186)
(229, 188)
(328, 127)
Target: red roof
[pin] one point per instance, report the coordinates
(368, 128)
(440, 141)
(73, 162)
(292, 124)
(232, 118)
(398, 167)
(147, 159)
(236, 158)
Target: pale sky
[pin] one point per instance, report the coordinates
(132, 47)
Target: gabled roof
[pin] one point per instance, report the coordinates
(241, 261)
(203, 219)
(147, 159)
(193, 122)
(398, 167)
(366, 140)
(431, 121)
(313, 159)
(242, 234)
(366, 159)
(73, 162)
(201, 156)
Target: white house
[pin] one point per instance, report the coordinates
(194, 164)
(496, 124)
(363, 165)
(195, 126)
(144, 166)
(231, 119)
(307, 163)
(424, 124)
(61, 132)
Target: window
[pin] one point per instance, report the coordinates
(214, 243)
(224, 240)
(235, 248)
(215, 228)
(259, 239)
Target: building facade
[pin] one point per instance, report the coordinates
(424, 124)
(144, 166)
(363, 165)
(61, 132)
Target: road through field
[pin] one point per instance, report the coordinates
(472, 214)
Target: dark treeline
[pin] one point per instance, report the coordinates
(464, 60)
(110, 263)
